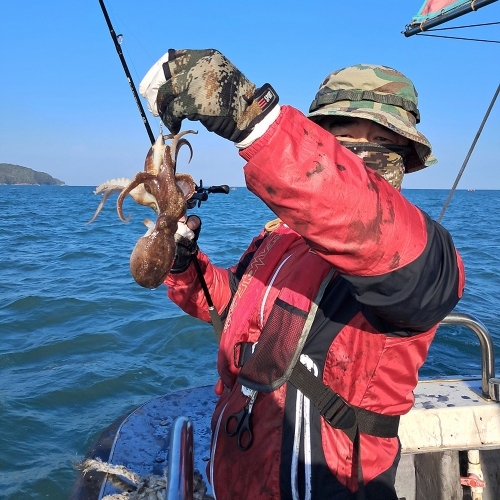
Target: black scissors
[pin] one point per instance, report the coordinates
(239, 425)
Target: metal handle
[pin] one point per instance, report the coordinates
(180, 474)
(488, 385)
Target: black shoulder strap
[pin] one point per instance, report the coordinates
(337, 412)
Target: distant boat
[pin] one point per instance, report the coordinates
(470, 190)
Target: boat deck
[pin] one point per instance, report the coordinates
(450, 415)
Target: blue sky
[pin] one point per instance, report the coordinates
(66, 107)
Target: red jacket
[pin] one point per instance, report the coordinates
(397, 276)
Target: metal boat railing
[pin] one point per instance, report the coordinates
(180, 473)
(490, 385)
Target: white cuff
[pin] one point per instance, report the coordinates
(260, 129)
(150, 84)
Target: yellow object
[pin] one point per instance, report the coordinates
(272, 225)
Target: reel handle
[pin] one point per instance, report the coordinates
(224, 189)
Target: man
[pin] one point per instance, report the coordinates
(331, 310)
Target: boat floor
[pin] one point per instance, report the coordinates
(449, 416)
(140, 440)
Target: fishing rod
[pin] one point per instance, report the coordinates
(127, 72)
(473, 145)
(201, 193)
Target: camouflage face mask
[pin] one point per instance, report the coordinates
(388, 161)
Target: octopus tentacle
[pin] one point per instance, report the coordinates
(150, 225)
(182, 142)
(140, 178)
(107, 189)
(105, 196)
(168, 161)
(154, 158)
(177, 143)
(186, 184)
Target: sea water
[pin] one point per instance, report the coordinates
(81, 343)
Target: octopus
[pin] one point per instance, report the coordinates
(166, 192)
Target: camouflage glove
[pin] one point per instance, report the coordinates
(203, 85)
(185, 246)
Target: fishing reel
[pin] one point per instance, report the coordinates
(201, 194)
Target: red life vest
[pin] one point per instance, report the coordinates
(368, 369)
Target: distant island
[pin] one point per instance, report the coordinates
(15, 174)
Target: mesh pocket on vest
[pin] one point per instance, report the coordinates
(277, 351)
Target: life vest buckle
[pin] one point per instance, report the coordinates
(337, 412)
(242, 352)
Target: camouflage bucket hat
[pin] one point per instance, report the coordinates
(380, 94)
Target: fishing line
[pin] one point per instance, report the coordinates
(129, 55)
(469, 153)
(127, 72)
(129, 30)
(458, 38)
(461, 27)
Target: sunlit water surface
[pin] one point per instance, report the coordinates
(82, 343)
